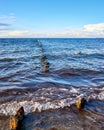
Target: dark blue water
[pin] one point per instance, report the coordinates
(21, 59)
(75, 68)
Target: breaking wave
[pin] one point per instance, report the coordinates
(50, 98)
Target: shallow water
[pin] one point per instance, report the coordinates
(76, 68)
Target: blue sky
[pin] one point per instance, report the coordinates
(51, 18)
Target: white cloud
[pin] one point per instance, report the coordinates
(90, 30)
(94, 27)
(6, 22)
(10, 18)
(4, 26)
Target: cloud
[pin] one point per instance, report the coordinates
(10, 18)
(6, 22)
(89, 30)
(94, 30)
(4, 26)
(94, 27)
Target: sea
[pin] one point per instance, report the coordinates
(46, 76)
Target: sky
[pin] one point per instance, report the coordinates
(52, 18)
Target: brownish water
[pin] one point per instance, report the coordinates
(63, 119)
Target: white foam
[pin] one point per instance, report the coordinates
(101, 96)
(10, 108)
(42, 99)
(50, 98)
(74, 90)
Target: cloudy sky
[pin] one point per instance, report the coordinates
(52, 18)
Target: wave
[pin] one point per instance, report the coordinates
(50, 98)
(31, 106)
(77, 72)
(6, 59)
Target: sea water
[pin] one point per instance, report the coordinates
(75, 69)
